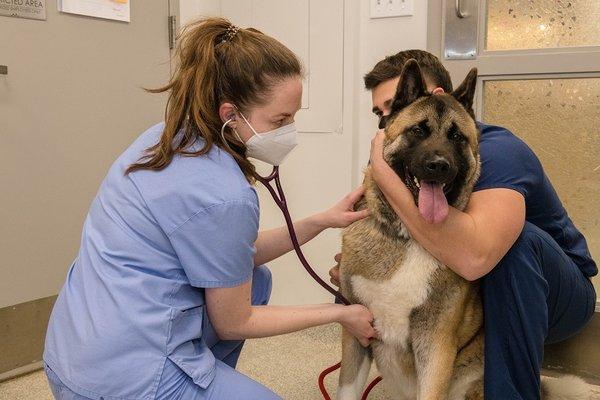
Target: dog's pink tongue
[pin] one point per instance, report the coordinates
(433, 205)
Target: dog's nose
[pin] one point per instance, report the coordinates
(437, 165)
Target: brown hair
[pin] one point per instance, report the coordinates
(216, 62)
(391, 67)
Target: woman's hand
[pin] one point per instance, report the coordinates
(357, 320)
(276, 242)
(342, 213)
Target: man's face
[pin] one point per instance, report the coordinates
(382, 96)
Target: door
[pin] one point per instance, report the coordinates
(70, 103)
(539, 76)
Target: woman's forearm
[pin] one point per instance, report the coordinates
(265, 321)
(274, 243)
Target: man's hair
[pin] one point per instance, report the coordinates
(391, 67)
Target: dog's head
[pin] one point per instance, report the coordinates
(432, 143)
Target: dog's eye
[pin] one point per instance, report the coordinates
(417, 131)
(456, 136)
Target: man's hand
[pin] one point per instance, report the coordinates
(334, 273)
(380, 170)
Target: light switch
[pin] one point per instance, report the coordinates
(391, 8)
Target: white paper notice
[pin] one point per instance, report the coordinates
(108, 9)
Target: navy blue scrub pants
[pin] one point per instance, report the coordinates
(535, 295)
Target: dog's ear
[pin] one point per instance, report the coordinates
(410, 87)
(466, 91)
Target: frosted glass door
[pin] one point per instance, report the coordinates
(560, 120)
(539, 76)
(535, 24)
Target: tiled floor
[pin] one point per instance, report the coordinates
(287, 364)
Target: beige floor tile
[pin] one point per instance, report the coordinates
(288, 364)
(33, 386)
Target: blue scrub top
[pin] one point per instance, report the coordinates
(134, 296)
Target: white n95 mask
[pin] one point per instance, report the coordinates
(273, 146)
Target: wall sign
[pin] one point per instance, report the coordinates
(31, 9)
(118, 10)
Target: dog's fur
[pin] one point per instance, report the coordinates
(429, 319)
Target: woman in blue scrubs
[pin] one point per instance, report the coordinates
(170, 277)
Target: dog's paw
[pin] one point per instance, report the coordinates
(347, 392)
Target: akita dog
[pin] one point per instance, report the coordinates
(429, 319)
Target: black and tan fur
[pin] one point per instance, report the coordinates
(429, 319)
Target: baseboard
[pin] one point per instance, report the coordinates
(22, 335)
(21, 371)
(578, 355)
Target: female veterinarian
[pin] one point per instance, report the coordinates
(169, 279)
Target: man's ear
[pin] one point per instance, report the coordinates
(227, 111)
(410, 87)
(465, 93)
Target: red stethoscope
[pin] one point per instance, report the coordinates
(279, 198)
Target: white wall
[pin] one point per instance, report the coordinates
(324, 167)
(380, 38)
(191, 9)
(67, 111)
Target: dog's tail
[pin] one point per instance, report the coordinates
(567, 388)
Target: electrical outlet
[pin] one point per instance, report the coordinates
(391, 8)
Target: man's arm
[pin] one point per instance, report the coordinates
(472, 242)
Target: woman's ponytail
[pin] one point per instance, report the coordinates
(216, 62)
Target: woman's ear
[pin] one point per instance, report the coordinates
(227, 112)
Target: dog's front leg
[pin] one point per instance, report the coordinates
(434, 361)
(356, 363)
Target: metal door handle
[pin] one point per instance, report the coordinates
(458, 8)
(3, 70)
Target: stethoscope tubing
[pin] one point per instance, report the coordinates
(279, 198)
